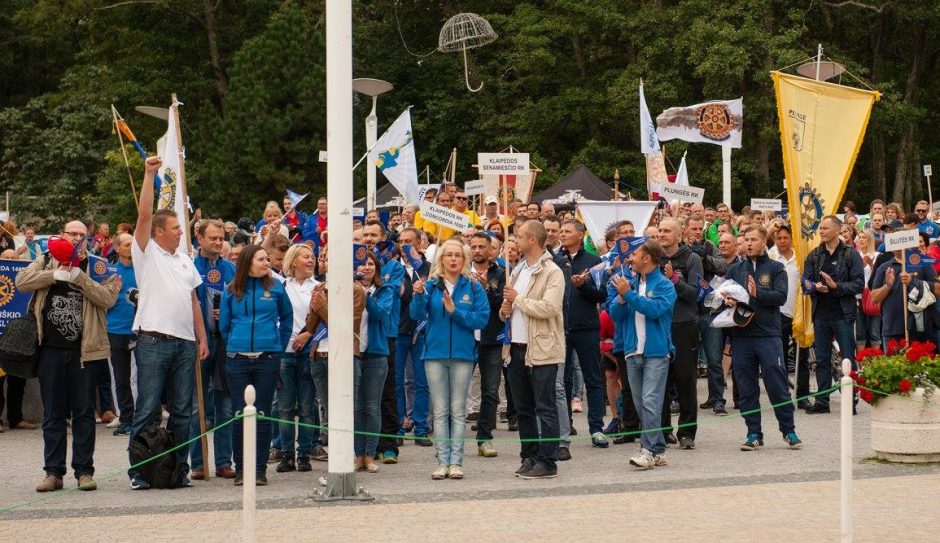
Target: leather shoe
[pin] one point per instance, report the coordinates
(224, 472)
(23, 425)
(817, 408)
(564, 454)
(198, 474)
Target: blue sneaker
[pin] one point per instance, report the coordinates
(793, 441)
(138, 483)
(123, 429)
(752, 443)
(613, 427)
(389, 457)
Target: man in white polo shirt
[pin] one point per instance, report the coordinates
(168, 324)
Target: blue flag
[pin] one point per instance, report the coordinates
(626, 246)
(321, 333)
(98, 268)
(916, 260)
(504, 336)
(385, 250)
(360, 254)
(704, 288)
(415, 260)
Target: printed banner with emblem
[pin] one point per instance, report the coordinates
(509, 171)
(13, 302)
(822, 126)
(599, 215)
(99, 269)
(214, 280)
(172, 189)
(711, 122)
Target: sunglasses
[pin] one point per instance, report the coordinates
(461, 197)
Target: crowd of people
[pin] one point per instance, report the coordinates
(518, 319)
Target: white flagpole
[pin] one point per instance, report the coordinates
(726, 174)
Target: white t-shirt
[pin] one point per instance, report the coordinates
(868, 270)
(640, 323)
(519, 327)
(166, 282)
(299, 295)
(793, 281)
(364, 325)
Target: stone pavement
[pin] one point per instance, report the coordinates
(710, 488)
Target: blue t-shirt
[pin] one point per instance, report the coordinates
(121, 315)
(215, 277)
(892, 308)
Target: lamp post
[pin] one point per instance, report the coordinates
(373, 88)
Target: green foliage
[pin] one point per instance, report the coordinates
(560, 83)
(899, 371)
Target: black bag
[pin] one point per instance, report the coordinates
(19, 343)
(165, 471)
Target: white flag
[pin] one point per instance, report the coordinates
(649, 143)
(394, 156)
(600, 215)
(171, 190)
(682, 176)
(711, 122)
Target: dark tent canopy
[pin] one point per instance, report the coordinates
(583, 181)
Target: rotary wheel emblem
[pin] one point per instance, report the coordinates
(715, 121)
(811, 211)
(7, 290)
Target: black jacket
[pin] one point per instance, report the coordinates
(495, 282)
(406, 325)
(581, 312)
(771, 279)
(689, 266)
(849, 276)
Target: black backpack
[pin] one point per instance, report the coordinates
(165, 471)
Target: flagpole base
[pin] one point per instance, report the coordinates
(342, 486)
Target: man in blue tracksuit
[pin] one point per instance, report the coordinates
(641, 308)
(393, 274)
(755, 347)
(216, 273)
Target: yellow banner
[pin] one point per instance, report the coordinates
(822, 126)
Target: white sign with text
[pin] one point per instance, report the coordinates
(503, 163)
(454, 220)
(473, 188)
(683, 193)
(766, 204)
(904, 239)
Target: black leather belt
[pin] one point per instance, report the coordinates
(157, 334)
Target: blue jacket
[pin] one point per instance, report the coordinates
(309, 229)
(656, 306)
(379, 305)
(393, 273)
(450, 335)
(771, 279)
(261, 321)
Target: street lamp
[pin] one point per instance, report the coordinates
(373, 88)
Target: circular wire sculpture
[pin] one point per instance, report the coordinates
(465, 31)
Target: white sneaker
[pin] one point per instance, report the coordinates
(643, 459)
(659, 460)
(440, 473)
(114, 423)
(166, 416)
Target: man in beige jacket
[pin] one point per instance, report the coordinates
(532, 302)
(69, 308)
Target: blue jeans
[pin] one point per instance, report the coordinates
(844, 333)
(647, 376)
(165, 364)
(585, 343)
(218, 410)
(296, 390)
(868, 329)
(563, 406)
(67, 389)
(490, 360)
(449, 381)
(319, 372)
(121, 345)
(262, 372)
(711, 347)
(411, 352)
(533, 392)
(764, 355)
(369, 379)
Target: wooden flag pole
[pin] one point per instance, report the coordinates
(907, 338)
(617, 184)
(127, 164)
(502, 185)
(200, 399)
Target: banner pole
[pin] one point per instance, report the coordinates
(127, 164)
(907, 338)
(726, 174)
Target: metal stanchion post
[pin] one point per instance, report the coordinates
(249, 454)
(846, 400)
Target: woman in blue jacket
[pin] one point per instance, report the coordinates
(256, 320)
(371, 364)
(455, 306)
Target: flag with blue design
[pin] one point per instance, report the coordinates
(99, 269)
(394, 155)
(415, 260)
(504, 336)
(385, 250)
(295, 198)
(649, 142)
(916, 260)
(320, 333)
(360, 254)
(704, 288)
(626, 246)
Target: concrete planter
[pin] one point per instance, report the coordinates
(906, 429)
